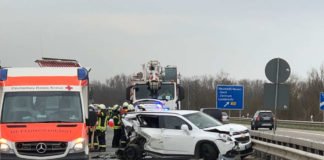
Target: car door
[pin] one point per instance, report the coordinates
(151, 130)
(175, 140)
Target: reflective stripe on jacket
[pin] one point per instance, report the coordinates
(117, 121)
(102, 122)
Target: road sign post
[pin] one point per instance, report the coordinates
(229, 97)
(322, 103)
(277, 71)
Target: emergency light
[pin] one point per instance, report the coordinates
(82, 74)
(166, 109)
(3, 74)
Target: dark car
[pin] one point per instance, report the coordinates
(262, 119)
(215, 113)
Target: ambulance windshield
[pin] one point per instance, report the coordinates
(38, 107)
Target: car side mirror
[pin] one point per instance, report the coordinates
(92, 118)
(185, 128)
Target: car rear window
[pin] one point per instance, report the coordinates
(266, 114)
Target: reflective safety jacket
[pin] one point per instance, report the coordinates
(117, 121)
(102, 122)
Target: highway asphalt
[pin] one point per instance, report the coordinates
(316, 136)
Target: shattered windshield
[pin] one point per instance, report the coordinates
(23, 107)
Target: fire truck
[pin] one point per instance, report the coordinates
(44, 111)
(156, 88)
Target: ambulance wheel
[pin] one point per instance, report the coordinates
(133, 152)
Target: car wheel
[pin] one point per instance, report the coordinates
(208, 152)
(242, 157)
(256, 128)
(270, 128)
(252, 127)
(133, 152)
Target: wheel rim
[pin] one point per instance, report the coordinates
(130, 153)
(205, 152)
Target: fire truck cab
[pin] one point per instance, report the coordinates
(44, 113)
(156, 88)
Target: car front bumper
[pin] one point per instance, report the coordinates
(245, 149)
(246, 152)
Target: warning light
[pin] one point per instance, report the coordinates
(3, 74)
(82, 74)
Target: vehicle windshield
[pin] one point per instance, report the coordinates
(202, 120)
(166, 92)
(37, 107)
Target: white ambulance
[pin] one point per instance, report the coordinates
(44, 113)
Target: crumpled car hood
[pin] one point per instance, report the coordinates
(227, 128)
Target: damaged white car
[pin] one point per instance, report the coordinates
(181, 134)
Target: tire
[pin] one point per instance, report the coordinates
(252, 128)
(242, 157)
(208, 152)
(133, 152)
(256, 128)
(270, 128)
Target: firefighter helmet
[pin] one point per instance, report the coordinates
(131, 107)
(115, 107)
(101, 106)
(125, 104)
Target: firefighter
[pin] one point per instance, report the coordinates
(93, 141)
(117, 126)
(128, 130)
(102, 127)
(123, 112)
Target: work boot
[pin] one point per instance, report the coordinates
(102, 149)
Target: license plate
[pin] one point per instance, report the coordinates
(248, 146)
(266, 124)
(266, 118)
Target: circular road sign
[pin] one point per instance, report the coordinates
(283, 71)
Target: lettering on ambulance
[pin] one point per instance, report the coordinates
(42, 80)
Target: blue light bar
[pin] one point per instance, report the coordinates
(82, 74)
(3, 74)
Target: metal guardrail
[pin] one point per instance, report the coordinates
(286, 123)
(287, 147)
(284, 152)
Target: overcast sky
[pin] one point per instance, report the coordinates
(200, 37)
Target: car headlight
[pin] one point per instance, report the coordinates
(78, 145)
(4, 146)
(225, 137)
